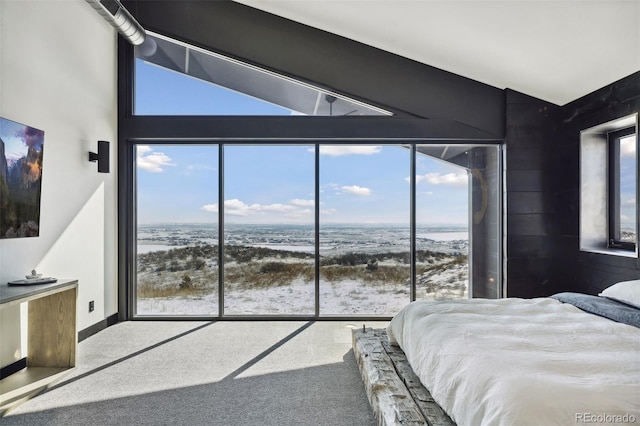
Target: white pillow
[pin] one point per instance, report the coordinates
(626, 292)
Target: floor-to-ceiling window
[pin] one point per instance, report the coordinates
(458, 217)
(364, 225)
(300, 225)
(442, 226)
(269, 250)
(313, 229)
(176, 234)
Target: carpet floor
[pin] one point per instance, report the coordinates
(208, 373)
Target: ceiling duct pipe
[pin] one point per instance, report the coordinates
(120, 18)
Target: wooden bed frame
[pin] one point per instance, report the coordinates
(394, 391)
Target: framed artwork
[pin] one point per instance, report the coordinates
(21, 148)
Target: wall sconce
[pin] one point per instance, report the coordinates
(102, 157)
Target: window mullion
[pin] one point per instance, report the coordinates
(317, 230)
(221, 230)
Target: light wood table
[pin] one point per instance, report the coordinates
(52, 338)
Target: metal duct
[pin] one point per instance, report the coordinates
(120, 18)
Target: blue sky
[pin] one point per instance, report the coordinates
(275, 184)
(160, 91)
(15, 140)
(628, 182)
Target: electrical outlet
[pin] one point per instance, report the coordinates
(91, 306)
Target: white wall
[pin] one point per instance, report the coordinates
(58, 74)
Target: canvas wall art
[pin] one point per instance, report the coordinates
(21, 149)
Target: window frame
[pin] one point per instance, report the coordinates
(131, 212)
(594, 190)
(250, 81)
(133, 129)
(613, 142)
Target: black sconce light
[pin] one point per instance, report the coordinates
(102, 157)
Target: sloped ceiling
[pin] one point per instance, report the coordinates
(555, 50)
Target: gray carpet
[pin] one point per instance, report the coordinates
(197, 373)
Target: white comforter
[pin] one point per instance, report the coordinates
(522, 362)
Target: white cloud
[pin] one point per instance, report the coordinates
(631, 202)
(303, 203)
(211, 208)
(357, 190)
(628, 147)
(235, 207)
(278, 208)
(450, 179)
(340, 150)
(152, 161)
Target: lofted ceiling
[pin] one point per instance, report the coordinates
(555, 50)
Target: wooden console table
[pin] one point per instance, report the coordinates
(51, 338)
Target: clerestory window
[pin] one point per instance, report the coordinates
(219, 85)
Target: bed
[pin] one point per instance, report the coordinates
(561, 360)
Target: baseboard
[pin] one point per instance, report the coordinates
(97, 327)
(13, 368)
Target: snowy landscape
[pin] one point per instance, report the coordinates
(270, 269)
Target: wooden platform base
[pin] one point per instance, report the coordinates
(394, 391)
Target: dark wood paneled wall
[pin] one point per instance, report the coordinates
(529, 196)
(582, 271)
(543, 193)
(346, 66)
(542, 139)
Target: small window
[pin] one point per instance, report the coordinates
(622, 189)
(609, 188)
